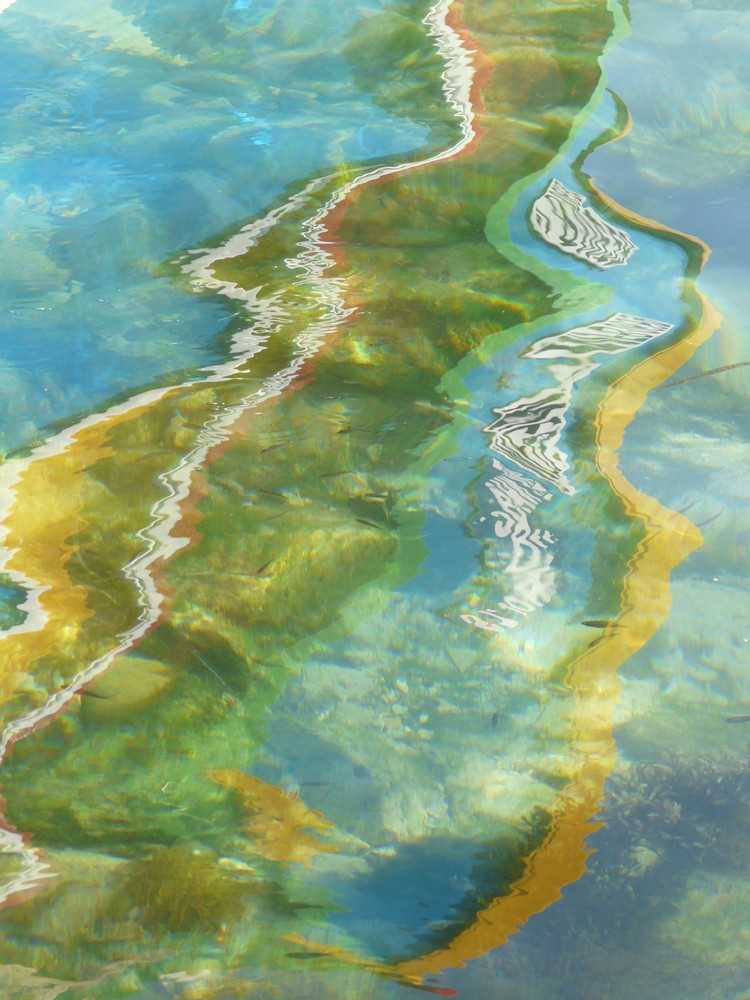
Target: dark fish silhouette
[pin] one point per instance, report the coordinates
(273, 447)
(599, 623)
(261, 570)
(738, 718)
(714, 371)
(370, 524)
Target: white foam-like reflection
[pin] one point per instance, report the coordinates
(267, 315)
(560, 218)
(527, 433)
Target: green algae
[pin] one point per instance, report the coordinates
(309, 502)
(179, 890)
(397, 63)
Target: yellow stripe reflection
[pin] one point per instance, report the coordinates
(43, 512)
(644, 605)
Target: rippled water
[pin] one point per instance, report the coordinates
(374, 499)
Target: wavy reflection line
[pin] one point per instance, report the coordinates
(561, 219)
(527, 432)
(515, 498)
(36, 556)
(315, 259)
(55, 609)
(36, 559)
(35, 549)
(457, 80)
(645, 602)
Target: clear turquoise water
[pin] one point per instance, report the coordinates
(397, 645)
(128, 140)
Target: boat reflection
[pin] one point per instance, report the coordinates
(216, 552)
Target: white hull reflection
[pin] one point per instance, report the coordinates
(560, 218)
(527, 433)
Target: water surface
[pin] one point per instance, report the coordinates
(374, 531)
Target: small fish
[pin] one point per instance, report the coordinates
(600, 623)
(93, 694)
(269, 493)
(370, 524)
(274, 516)
(713, 371)
(738, 718)
(272, 447)
(260, 571)
(684, 510)
(495, 718)
(350, 428)
(710, 520)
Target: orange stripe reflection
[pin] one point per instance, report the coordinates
(644, 605)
